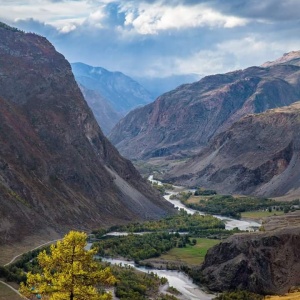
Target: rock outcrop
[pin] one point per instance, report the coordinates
(264, 263)
(57, 170)
(104, 114)
(181, 122)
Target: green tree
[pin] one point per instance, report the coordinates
(69, 272)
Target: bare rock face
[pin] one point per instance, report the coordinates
(184, 120)
(258, 155)
(105, 115)
(264, 263)
(57, 170)
(292, 57)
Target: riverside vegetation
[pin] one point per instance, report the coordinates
(210, 202)
(164, 236)
(39, 270)
(130, 283)
(160, 238)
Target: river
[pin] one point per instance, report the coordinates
(177, 279)
(229, 222)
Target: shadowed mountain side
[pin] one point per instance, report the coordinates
(105, 115)
(182, 121)
(120, 91)
(260, 155)
(57, 170)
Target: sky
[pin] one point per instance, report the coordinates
(160, 38)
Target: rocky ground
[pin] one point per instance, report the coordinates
(266, 262)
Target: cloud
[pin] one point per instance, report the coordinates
(64, 15)
(268, 10)
(235, 54)
(146, 17)
(160, 37)
(152, 18)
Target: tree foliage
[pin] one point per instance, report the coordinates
(139, 247)
(181, 222)
(231, 206)
(69, 272)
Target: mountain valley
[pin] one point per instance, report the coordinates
(110, 95)
(231, 134)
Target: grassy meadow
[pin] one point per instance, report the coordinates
(257, 215)
(191, 255)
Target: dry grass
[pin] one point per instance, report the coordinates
(258, 215)
(196, 199)
(291, 296)
(9, 251)
(8, 294)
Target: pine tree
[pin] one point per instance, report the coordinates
(69, 272)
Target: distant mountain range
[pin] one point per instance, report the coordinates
(109, 94)
(160, 85)
(185, 119)
(57, 170)
(207, 120)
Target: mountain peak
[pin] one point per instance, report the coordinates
(57, 169)
(121, 92)
(181, 122)
(290, 58)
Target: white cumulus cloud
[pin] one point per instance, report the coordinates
(152, 18)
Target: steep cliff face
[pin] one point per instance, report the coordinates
(105, 115)
(257, 155)
(264, 263)
(185, 119)
(57, 170)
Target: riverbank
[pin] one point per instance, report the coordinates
(179, 280)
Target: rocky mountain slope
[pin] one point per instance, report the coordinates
(264, 263)
(292, 57)
(182, 121)
(258, 155)
(105, 115)
(57, 170)
(120, 91)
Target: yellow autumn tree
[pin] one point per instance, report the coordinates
(69, 272)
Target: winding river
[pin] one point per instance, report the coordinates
(229, 222)
(177, 279)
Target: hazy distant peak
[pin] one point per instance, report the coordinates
(292, 57)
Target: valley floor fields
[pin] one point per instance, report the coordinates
(191, 255)
(7, 293)
(258, 215)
